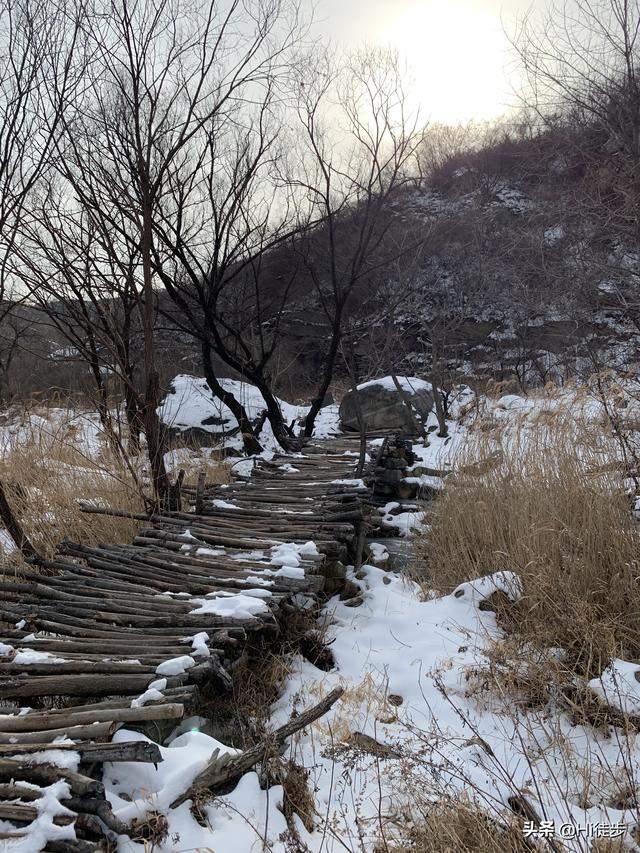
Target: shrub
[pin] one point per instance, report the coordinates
(549, 505)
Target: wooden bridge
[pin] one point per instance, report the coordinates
(87, 633)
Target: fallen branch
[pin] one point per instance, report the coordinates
(15, 529)
(226, 768)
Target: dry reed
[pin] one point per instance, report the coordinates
(53, 458)
(551, 507)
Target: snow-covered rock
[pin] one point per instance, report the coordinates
(191, 410)
(382, 406)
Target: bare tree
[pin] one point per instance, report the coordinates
(581, 72)
(87, 284)
(582, 58)
(37, 40)
(231, 297)
(168, 88)
(349, 183)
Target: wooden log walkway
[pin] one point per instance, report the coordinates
(122, 634)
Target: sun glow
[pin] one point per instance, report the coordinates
(457, 53)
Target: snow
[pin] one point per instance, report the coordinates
(402, 523)
(199, 646)
(233, 822)
(190, 404)
(65, 758)
(429, 656)
(379, 552)
(63, 353)
(407, 383)
(224, 504)
(289, 555)
(237, 605)
(149, 695)
(42, 830)
(482, 588)
(7, 545)
(28, 656)
(619, 686)
(210, 552)
(553, 235)
(356, 483)
(426, 481)
(175, 666)
(424, 656)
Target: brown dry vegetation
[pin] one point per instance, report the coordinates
(551, 508)
(48, 469)
(459, 826)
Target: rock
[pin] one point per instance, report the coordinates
(407, 490)
(374, 747)
(382, 406)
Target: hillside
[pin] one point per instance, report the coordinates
(506, 261)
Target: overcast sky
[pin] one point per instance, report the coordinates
(457, 48)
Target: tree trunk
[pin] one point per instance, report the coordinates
(281, 431)
(250, 442)
(132, 414)
(14, 528)
(327, 376)
(102, 405)
(159, 475)
(412, 421)
(355, 380)
(443, 431)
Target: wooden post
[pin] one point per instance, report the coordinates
(199, 507)
(14, 528)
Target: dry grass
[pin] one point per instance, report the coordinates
(298, 797)
(57, 458)
(48, 469)
(552, 508)
(459, 826)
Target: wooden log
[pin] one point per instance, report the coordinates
(104, 648)
(110, 604)
(81, 667)
(67, 846)
(100, 808)
(174, 695)
(21, 813)
(220, 638)
(79, 685)
(219, 771)
(139, 751)
(17, 791)
(139, 664)
(62, 621)
(92, 731)
(66, 717)
(47, 774)
(198, 575)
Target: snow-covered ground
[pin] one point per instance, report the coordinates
(412, 718)
(414, 715)
(190, 404)
(416, 721)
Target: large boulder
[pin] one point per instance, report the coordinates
(383, 407)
